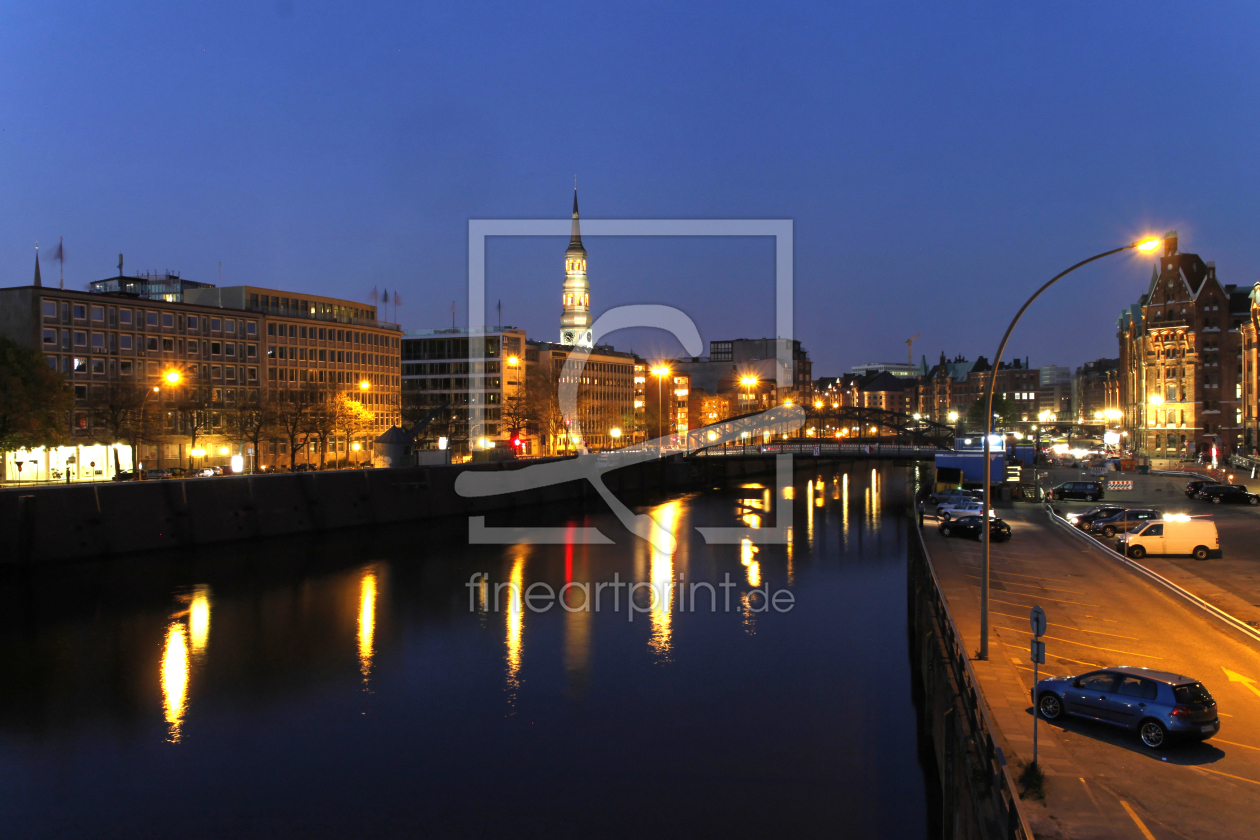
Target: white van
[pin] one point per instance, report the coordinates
(1197, 537)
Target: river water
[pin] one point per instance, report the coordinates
(356, 684)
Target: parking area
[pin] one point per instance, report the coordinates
(1101, 781)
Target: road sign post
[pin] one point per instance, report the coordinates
(1037, 652)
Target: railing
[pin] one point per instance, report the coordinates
(859, 449)
(1004, 799)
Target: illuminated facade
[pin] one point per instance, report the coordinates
(575, 321)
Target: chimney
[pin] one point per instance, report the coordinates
(1170, 243)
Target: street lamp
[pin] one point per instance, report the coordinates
(615, 434)
(1147, 244)
(172, 377)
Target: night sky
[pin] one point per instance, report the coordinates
(939, 160)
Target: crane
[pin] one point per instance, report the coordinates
(910, 348)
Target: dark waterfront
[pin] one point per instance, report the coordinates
(339, 685)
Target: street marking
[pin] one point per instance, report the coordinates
(1235, 744)
(1226, 775)
(1078, 661)
(1043, 598)
(1234, 676)
(1035, 577)
(1146, 832)
(1047, 588)
(1095, 647)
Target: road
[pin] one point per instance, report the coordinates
(1101, 782)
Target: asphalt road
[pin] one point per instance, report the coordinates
(1102, 782)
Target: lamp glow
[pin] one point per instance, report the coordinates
(364, 385)
(1149, 244)
(173, 377)
(1156, 399)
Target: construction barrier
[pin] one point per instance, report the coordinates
(1119, 485)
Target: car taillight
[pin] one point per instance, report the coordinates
(1181, 711)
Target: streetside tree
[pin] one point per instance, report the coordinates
(321, 419)
(251, 421)
(118, 414)
(291, 421)
(542, 392)
(194, 412)
(517, 414)
(1005, 411)
(35, 400)
(351, 418)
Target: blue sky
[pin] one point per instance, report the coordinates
(939, 160)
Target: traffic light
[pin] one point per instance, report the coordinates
(516, 442)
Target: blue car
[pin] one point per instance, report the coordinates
(1159, 706)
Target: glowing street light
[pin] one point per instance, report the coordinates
(614, 433)
(173, 377)
(513, 361)
(223, 450)
(364, 385)
(953, 417)
(1156, 399)
(1146, 244)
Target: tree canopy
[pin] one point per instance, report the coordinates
(35, 400)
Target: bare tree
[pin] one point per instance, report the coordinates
(251, 421)
(291, 420)
(194, 412)
(542, 393)
(118, 414)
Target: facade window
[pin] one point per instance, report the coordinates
(168, 345)
(80, 339)
(192, 323)
(151, 344)
(231, 349)
(215, 348)
(229, 326)
(231, 374)
(271, 329)
(80, 312)
(252, 374)
(124, 316)
(192, 348)
(98, 314)
(151, 318)
(214, 325)
(125, 367)
(98, 367)
(251, 328)
(168, 319)
(50, 309)
(98, 341)
(216, 372)
(50, 337)
(80, 365)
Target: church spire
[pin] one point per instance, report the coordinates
(38, 281)
(576, 237)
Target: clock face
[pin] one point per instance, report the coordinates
(568, 335)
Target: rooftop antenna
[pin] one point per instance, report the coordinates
(120, 265)
(452, 314)
(61, 258)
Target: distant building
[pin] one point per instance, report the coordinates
(168, 287)
(1096, 391)
(438, 378)
(1054, 393)
(953, 386)
(899, 369)
(605, 398)
(575, 319)
(732, 365)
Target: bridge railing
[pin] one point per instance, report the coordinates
(818, 449)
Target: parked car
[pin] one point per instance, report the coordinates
(125, 475)
(942, 496)
(1087, 490)
(153, 474)
(954, 510)
(1159, 706)
(1125, 520)
(1237, 495)
(305, 468)
(1193, 488)
(1195, 537)
(1084, 519)
(970, 526)
(1211, 490)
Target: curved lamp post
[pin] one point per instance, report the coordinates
(1148, 244)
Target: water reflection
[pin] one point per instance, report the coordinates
(662, 579)
(199, 618)
(175, 679)
(844, 504)
(515, 613)
(751, 567)
(367, 622)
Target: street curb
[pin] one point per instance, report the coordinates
(1242, 626)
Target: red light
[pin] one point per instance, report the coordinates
(516, 441)
(1180, 711)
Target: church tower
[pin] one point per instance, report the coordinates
(575, 322)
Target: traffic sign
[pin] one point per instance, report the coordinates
(1038, 652)
(1037, 620)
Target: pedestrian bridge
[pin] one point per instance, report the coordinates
(821, 449)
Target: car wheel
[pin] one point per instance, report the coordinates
(1137, 552)
(945, 531)
(1050, 705)
(1109, 531)
(944, 517)
(1216, 500)
(1089, 497)
(1153, 734)
(1253, 500)
(1200, 552)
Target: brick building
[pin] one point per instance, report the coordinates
(226, 348)
(1181, 359)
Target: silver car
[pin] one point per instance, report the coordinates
(1157, 705)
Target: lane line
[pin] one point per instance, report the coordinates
(1047, 588)
(1235, 744)
(1227, 775)
(1146, 832)
(1095, 647)
(1056, 600)
(1077, 661)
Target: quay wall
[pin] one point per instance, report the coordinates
(65, 522)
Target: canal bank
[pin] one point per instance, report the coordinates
(56, 523)
(338, 683)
